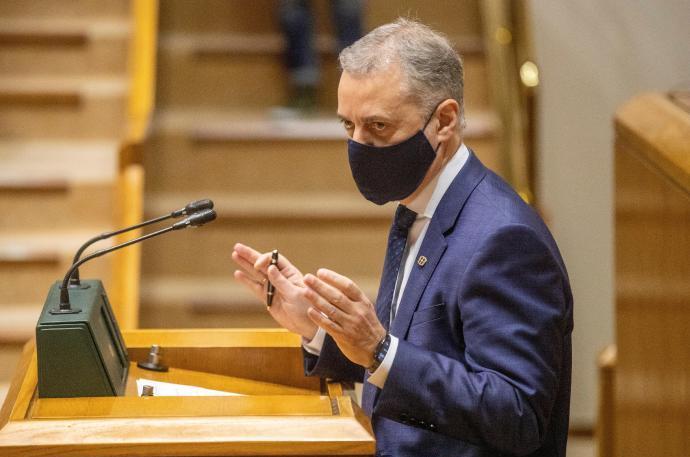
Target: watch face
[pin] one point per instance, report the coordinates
(380, 353)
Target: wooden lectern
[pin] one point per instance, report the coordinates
(280, 412)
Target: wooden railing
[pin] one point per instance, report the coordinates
(142, 68)
(124, 294)
(513, 80)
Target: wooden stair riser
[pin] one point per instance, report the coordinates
(64, 9)
(89, 119)
(231, 81)
(97, 58)
(194, 17)
(28, 281)
(259, 81)
(175, 163)
(354, 248)
(204, 169)
(81, 206)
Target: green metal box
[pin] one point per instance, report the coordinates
(81, 354)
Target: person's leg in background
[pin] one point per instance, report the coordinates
(347, 19)
(297, 22)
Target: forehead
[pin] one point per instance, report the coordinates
(380, 93)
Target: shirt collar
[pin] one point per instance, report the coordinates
(428, 199)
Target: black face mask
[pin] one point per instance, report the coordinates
(391, 173)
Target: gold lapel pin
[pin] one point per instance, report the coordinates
(421, 261)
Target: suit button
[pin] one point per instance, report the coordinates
(404, 418)
(422, 424)
(432, 427)
(413, 421)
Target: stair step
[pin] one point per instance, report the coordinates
(75, 47)
(215, 295)
(271, 207)
(68, 90)
(65, 9)
(40, 204)
(233, 44)
(30, 262)
(252, 154)
(309, 243)
(59, 185)
(60, 32)
(18, 323)
(60, 160)
(44, 246)
(234, 16)
(258, 80)
(60, 107)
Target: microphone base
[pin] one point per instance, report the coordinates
(152, 366)
(80, 354)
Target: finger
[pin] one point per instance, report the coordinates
(247, 267)
(331, 327)
(247, 253)
(342, 283)
(254, 287)
(330, 293)
(323, 306)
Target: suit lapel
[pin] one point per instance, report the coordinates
(434, 243)
(433, 247)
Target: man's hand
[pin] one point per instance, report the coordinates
(290, 304)
(345, 313)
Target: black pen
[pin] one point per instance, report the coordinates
(270, 290)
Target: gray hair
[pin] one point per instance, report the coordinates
(430, 66)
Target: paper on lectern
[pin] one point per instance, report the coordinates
(167, 389)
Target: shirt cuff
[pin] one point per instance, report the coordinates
(378, 377)
(314, 346)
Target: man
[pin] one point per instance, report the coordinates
(467, 351)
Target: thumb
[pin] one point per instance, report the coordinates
(280, 282)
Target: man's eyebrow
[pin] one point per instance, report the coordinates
(369, 119)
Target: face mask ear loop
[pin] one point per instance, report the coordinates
(431, 116)
(429, 120)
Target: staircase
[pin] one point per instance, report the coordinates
(277, 183)
(63, 106)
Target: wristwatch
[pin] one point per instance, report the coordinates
(380, 352)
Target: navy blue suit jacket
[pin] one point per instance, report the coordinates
(484, 360)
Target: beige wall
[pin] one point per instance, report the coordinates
(594, 55)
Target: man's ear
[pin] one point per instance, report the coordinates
(449, 116)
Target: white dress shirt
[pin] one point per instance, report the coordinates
(424, 205)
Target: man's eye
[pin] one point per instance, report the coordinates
(347, 124)
(379, 126)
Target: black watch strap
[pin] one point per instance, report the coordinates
(380, 352)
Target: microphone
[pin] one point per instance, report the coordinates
(195, 220)
(191, 208)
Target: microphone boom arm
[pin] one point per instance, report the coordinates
(64, 289)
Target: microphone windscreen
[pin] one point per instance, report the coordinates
(202, 217)
(198, 205)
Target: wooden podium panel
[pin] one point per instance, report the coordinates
(278, 411)
(652, 373)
